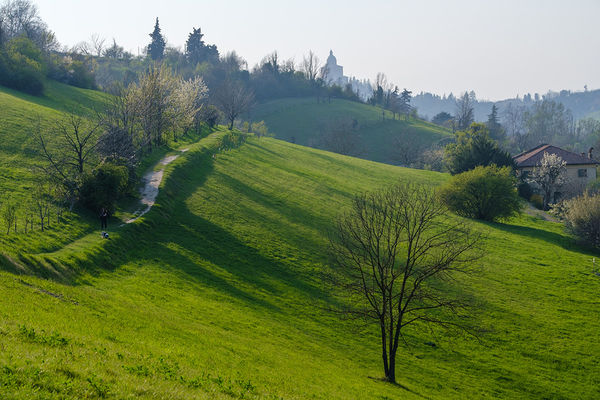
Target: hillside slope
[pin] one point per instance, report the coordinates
(306, 122)
(216, 294)
(19, 115)
(20, 158)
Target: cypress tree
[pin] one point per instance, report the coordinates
(156, 48)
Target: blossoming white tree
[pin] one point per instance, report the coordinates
(549, 175)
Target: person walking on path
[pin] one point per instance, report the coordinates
(104, 218)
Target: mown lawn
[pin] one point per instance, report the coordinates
(216, 293)
(21, 159)
(304, 121)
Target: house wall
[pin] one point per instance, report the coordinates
(574, 185)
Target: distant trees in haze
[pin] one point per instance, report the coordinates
(341, 136)
(464, 114)
(310, 66)
(443, 119)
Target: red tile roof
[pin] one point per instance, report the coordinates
(534, 156)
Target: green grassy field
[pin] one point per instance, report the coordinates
(216, 294)
(303, 121)
(595, 115)
(20, 159)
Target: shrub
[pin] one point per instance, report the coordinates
(582, 218)
(232, 140)
(594, 187)
(486, 193)
(104, 187)
(22, 67)
(211, 115)
(473, 148)
(525, 190)
(537, 200)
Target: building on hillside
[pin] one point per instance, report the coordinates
(581, 168)
(333, 74)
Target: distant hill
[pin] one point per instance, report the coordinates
(306, 122)
(581, 104)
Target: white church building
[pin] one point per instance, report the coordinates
(333, 74)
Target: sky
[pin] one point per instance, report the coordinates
(499, 49)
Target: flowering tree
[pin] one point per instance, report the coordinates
(549, 175)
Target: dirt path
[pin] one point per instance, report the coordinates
(152, 181)
(531, 210)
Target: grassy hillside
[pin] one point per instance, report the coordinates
(20, 157)
(19, 114)
(216, 294)
(595, 115)
(304, 121)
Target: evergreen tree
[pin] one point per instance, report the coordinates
(197, 51)
(495, 128)
(405, 106)
(474, 147)
(156, 48)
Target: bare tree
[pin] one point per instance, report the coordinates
(513, 121)
(387, 250)
(66, 163)
(119, 122)
(9, 215)
(42, 200)
(405, 149)
(310, 66)
(97, 44)
(77, 144)
(233, 99)
(341, 136)
(82, 48)
(21, 18)
(464, 112)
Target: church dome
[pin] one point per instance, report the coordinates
(331, 59)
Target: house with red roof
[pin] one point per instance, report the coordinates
(581, 168)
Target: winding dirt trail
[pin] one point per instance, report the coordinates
(152, 181)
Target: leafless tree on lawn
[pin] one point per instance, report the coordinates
(233, 99)
(310, 66)
(391, 252)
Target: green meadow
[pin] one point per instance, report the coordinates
(217, 293)
(303, 121)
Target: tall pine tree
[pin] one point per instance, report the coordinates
(156, 48)
(494, 126)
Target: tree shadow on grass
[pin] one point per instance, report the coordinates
(565, 241)
(181, 241)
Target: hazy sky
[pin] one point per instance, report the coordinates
(498, 48)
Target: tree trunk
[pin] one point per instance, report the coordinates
(384, 350)
(391, 375)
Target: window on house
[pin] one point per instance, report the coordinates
(524, 174)
(582, 173)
